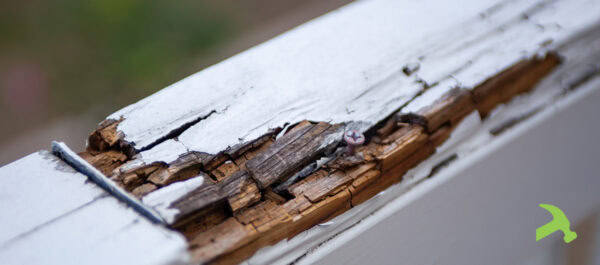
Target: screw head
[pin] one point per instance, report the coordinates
(354, 138)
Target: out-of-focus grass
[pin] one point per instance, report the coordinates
(72, 55)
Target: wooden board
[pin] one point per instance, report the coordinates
(446, 216)
(58, 216)
(301, 73)
(249, 152)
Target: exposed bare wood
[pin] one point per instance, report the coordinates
(405, 142)
(320, 184)
(105, 136)
(248, 194)
(454, 105)
(292, 152)
(184, 167)
(407, 90)
(106, 162)
(213, 194)
(143, 189)
(225, 170)
(511, 82)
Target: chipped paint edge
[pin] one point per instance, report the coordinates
(61, 150)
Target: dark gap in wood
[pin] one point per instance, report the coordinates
(582, 77)
(441, 165)
(373, 132)
(412, 118)
(176, 132)
(282, 188)
(513, 121)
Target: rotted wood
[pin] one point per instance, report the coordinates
(185, 167)
(106, 161)
(266, 188)
(512, 81)
(319, 197)
(292, 152)
(327, 193)
(238, 191)
(105, 137)
(453, 106)
(248, 223)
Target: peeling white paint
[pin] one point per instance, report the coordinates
(469, 137)
(58, 216)
(161, 199)
(347, 66)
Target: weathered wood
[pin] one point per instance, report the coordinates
(511, 82)
(330, 193)
(184, 167)
(406, 89)
(143, 189)
(106, 162)
(41, 173)
(225, 170)
(405, 142)
(226, 236)
(320, 184)
(248, 194)
(105, 136)
(472, 45)
(238, 189)
(292, 152)
(57, 216)
(451, 107)
(361, 182)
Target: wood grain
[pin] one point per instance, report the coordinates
(291, 152)
(407, 90)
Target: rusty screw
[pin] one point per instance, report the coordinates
(353, 138)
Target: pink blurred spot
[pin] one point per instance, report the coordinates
(25, 89)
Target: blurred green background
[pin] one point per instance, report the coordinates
(67, 64)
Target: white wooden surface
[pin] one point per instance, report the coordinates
(472, 135)
(65, 153)
(347, 66)
(54, 215)
(482, 209)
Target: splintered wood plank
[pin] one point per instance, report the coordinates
(441, 135)
(221, 239)
(421, 75)
(406, 141)
(449, 108)
(320, 184)
(57, 216)
(476, 42)
(511, 82)
(361, 182)
(184, 167)
(107, 161)
(225, 170)
(283, 225)
(105, 137)
(291, 152)
(391, 176)
(184, 201)
(248, 194)
(143, 189)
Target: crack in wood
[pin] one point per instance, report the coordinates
(230, 218)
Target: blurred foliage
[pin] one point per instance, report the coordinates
(107, 53)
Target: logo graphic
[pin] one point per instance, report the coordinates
(559, 222)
